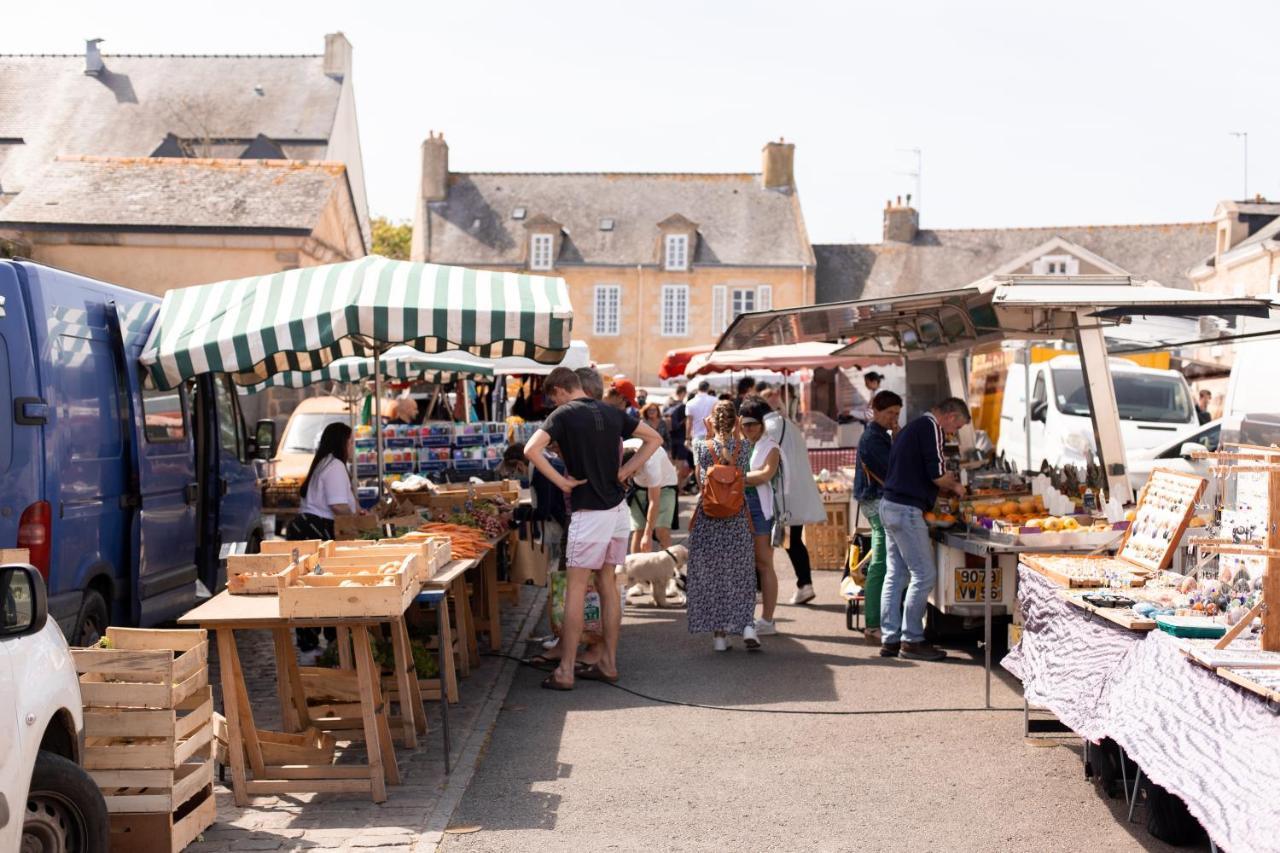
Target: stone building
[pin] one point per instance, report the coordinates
(653, 261)
(157, 171)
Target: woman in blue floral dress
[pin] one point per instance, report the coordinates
(721, 587)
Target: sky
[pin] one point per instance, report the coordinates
(1026, 113)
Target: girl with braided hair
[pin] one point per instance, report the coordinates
(722, 569)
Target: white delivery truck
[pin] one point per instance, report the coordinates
(1154, 406)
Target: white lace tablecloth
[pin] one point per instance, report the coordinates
(1215, 745)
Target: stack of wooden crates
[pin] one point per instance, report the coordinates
(828, 543)
(149, 740)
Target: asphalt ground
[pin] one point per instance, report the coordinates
(916, 764)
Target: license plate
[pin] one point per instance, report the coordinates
(969, 585)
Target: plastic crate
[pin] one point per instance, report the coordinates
(435, 440)
(469, 465)
(469, 440)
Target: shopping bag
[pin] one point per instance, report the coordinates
(592, 628)
(531, 558)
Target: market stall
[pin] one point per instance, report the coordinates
(933, 332)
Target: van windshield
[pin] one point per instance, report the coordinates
(1139, 396)
(304, 430)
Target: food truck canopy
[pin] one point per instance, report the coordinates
(783, 358)
(1135, 315)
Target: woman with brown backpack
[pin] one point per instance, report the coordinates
(722, 568)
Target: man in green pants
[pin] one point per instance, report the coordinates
(868, 488)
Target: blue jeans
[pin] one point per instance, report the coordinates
(910, 573)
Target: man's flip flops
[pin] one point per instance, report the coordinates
(550, 683)
(543, 663)
(594, 673)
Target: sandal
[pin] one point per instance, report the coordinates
(550, 683)
(594, 673)
(542, 662)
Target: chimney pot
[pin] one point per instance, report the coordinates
(779, 165)
(93, 64)
(435, 168)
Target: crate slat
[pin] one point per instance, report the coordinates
(155, 833)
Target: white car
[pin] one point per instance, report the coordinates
(1175, 454)
(48, 803)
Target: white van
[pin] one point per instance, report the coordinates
(1154, 406)
(1251, 411)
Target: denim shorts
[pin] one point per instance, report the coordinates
(759, 524)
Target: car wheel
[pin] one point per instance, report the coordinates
(93, 620)
(65, 810)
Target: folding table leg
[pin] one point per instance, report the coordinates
(231, 706)
(442, 619)
(370, 710)
(411, 713)
(293, 699)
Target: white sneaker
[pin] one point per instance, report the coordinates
(766, 628)
(722, 644)
(803, 595)
(750, 639)
(551, 643)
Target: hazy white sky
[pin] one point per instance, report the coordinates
(1028, 113)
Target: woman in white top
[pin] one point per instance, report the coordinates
(326, 492)
(766, 457)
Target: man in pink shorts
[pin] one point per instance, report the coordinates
(589, 434)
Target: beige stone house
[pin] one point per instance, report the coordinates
(653, 262)
(157, 171)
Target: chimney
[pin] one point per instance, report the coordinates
(435, 167)
(901, 221)
(779, 161)
(337, 56)
(93, 65)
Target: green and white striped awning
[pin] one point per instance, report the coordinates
(405, 366)
(301, 320)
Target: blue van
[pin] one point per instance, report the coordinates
(122, 493)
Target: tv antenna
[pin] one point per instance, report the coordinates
(1243, 136)
(917, 173)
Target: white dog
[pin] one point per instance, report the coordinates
(659, 570)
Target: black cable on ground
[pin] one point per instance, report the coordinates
(785, 711)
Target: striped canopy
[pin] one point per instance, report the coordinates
(301, 320)
(398, 363)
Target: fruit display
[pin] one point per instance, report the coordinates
(1009, 509)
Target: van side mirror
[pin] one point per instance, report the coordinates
(1039, 411)
(264, 435)
(24, 602)
(1190, 449)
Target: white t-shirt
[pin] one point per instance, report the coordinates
(329, 485)
(759, 455)
(658, 472)
(697, 411)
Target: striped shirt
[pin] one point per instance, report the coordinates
(915, 461)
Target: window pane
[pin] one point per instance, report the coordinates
(162, 415)
(1139, 396)
(228, 433)
(90, 397)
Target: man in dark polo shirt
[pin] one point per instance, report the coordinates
(917, 472)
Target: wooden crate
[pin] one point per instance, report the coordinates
(352, 587)
(449, 495)
(284, 546)
(433, 550)
(146, 668)
(148, 738)
(264, 574)
(156, 790)
(161, 833)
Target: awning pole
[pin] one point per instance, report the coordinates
(1096, 372)
(1026, 399)
(377, 415)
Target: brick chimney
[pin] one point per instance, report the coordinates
(779, 162)
(435, 168)
(93, 64)
(337, 56)
(901, 221)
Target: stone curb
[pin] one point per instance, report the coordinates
(465, 768)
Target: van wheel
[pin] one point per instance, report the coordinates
(65, 809)
(93, 619)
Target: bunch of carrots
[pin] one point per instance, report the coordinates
(465, 543)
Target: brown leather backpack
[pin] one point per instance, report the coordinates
(724, 487)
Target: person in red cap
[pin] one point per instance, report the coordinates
(627, 389)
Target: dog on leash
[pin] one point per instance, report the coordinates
(660, 570)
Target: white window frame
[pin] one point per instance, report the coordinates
(676, 252)
(719, 309)
(764, 297)
(1056, 265)
(738, 302)
(675, 311)
(606, 310)
(541, 249)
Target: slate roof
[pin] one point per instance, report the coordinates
(54, 108)
(142, 192)
(739, 222)
(943, 258)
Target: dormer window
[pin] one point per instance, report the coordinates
(677, 253)
(1056, 265)
(541, 251)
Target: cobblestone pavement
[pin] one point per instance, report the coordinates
(415, 812)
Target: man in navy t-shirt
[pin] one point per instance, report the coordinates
(917, 472)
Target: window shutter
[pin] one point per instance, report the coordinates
(764, 297)
(718, 322)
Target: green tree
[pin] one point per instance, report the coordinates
(391, 239)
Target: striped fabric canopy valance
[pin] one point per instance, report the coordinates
(301, 320)
(405, 366)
